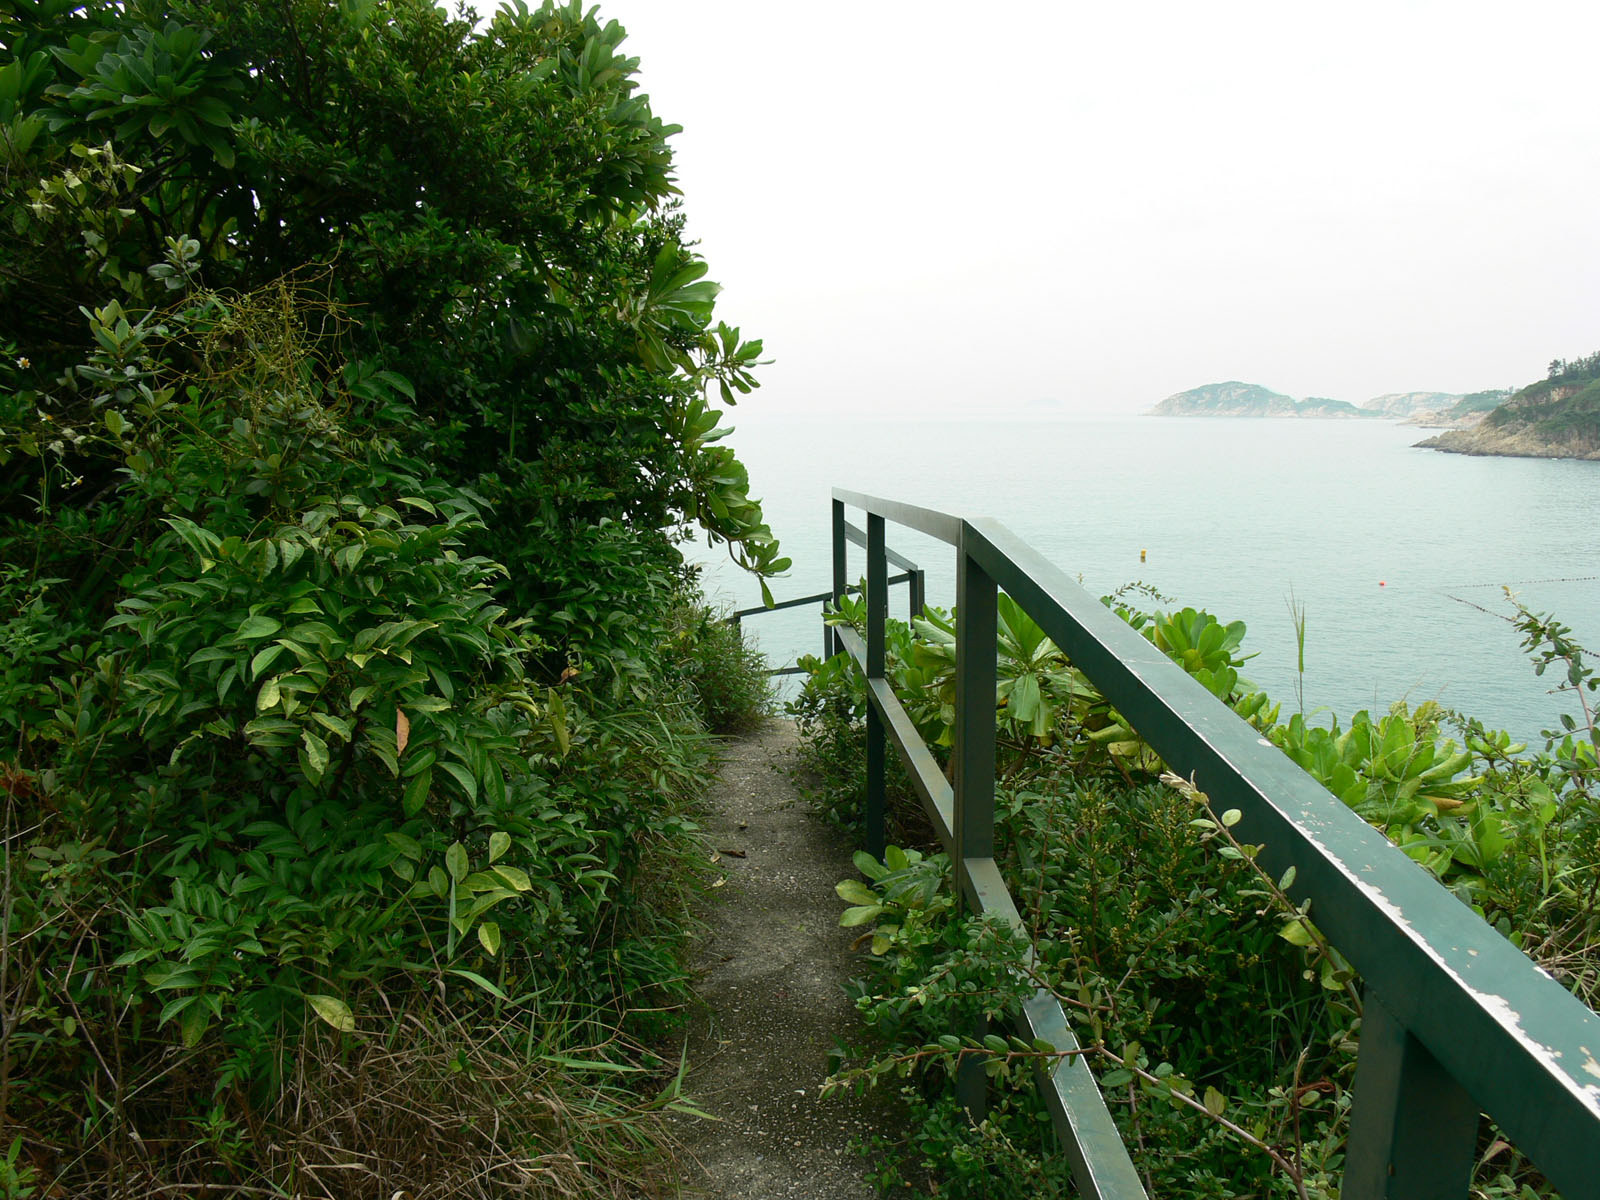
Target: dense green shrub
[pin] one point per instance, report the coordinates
(340, 738)
(726, 674)
(300, 772)
(503, 235)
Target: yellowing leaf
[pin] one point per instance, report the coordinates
(334, 1011)
(316, 754)
(514, 877)
(1296, 933)
(402, 732)
(860, 915)
(853, 891)
(489, 936)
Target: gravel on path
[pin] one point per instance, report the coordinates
(770, 973)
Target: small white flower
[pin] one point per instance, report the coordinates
(23, 364)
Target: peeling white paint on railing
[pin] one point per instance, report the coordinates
(1497, 1006)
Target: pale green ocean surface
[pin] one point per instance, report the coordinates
(1393, 551)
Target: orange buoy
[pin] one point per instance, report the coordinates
(1381, 583)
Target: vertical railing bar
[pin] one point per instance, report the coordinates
(973, 756)
(918, 587)
(841, 578)
(975, 720)
(877, 621)
(1413, 1127)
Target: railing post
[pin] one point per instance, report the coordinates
(877, 619)
(1413, 1128)
(831, 644)
(918, 587)
(974, 733)
(974, 764)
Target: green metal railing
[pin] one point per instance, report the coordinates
(913, 576)
(1456, 1020)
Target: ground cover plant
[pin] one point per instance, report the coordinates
(347, 753)
(1220, 1023)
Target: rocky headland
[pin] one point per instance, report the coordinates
(1554, 418)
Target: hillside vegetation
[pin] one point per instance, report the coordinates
(354, 373)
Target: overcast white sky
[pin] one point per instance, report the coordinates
(940, 206)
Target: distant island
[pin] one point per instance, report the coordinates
(1235, 399)
(1558, 417)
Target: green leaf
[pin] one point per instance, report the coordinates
(867, 865)
(193, 1023)
(853, 891)
(264, 658)
(416, 793)
(474, 977)
(339, 725)
(408, 846)
(316, 754)
(334, 1011)
(256, 627)
(456, 861)
(499, 843)
(556, 709)
(1214, 1102)
(489, 937)
(1296, 933)
(463, 777)
(515, 878)
(860, 915)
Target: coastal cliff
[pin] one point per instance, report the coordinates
(1557, 417)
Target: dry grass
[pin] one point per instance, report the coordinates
(428, 1112)
(431, 1106)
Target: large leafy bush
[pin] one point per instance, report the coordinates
(355, 376)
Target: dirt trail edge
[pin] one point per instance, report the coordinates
(770, 977)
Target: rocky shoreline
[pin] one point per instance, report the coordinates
(1501, 442)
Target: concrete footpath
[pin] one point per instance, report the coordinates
(770, 978)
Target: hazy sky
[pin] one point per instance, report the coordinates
(1096, 205)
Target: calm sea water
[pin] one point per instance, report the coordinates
(1394, 552)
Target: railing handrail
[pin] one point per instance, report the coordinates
(1457, 1019)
